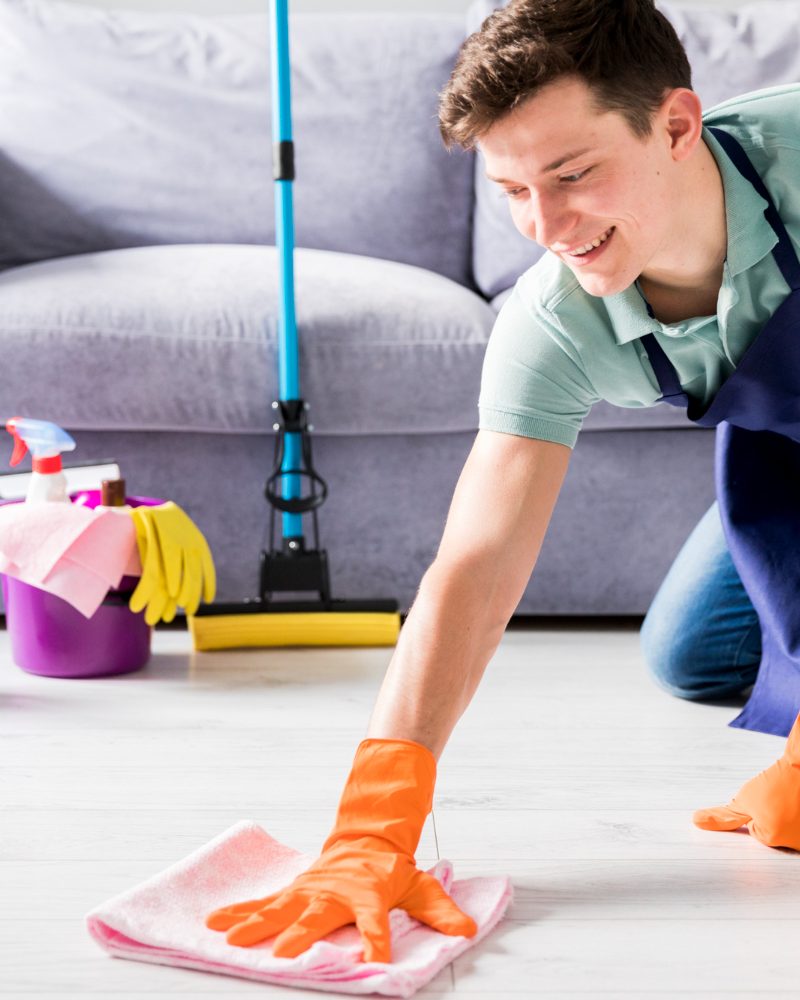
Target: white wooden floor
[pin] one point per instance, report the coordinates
(570, 771)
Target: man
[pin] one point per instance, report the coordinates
(663, 277)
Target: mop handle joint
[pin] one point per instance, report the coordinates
(283, 160)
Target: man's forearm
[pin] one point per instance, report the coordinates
(494, 531)
(448, 638)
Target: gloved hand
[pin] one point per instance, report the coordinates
(768, 804)
(177, 566)
(366, 867)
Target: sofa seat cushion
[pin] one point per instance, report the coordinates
(184, 338)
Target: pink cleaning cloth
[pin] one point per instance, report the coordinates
(163, 921)
(67, 550)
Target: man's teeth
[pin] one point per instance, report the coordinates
(591, 246)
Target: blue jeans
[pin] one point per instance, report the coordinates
(701, 637)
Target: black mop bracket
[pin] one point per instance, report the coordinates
(293, 567)
(294, 420)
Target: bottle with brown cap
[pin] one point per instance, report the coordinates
(112, 495)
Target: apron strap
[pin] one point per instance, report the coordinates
(784, 252)
(668, 381)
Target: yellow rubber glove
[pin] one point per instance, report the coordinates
(177, 566)
(769, 804)
(187, 559)
(151, 593)
(366, 867)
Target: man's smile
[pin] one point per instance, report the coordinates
(583, 248)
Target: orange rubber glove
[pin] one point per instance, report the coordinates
(769, 804)
(366, 867)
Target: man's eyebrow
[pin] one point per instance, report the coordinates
(565, 159)
(550, 166)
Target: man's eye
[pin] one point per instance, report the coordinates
(512, 192)
(572, 178)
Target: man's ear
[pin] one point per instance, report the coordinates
(681, 116)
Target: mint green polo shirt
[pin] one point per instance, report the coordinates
(555, 350)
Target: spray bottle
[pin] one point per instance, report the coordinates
(46, 442)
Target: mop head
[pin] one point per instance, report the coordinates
(218, 629)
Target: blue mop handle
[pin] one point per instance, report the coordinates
(288, 361)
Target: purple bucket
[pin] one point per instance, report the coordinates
(51, 638)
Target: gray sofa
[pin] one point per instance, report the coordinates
(138, 285)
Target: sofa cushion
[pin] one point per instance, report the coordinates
(184, 338)
(121, 129)
(731, 52)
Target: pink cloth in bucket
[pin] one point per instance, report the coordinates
(163, 921)
(68, 550)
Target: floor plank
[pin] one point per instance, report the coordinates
(634, 955)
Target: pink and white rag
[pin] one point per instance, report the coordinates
(163, 921)
(68, 550)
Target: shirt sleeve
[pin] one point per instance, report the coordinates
(532, 384)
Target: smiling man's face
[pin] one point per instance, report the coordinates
(581, 183)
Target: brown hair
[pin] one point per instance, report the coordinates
(625, 50)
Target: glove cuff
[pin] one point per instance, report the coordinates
(388, 794)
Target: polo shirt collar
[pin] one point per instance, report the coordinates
(628, 314)
(750, 239)
(750, 236)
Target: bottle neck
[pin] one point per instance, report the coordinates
(47, 465)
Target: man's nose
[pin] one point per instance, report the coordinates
(549, 218)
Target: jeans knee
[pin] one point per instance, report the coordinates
(679, 661)
(669, 660)
(701, 636)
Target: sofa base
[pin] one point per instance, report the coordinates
(629, 501)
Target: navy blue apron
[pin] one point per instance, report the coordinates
(757, 472)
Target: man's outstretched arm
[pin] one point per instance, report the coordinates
(497, 522)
